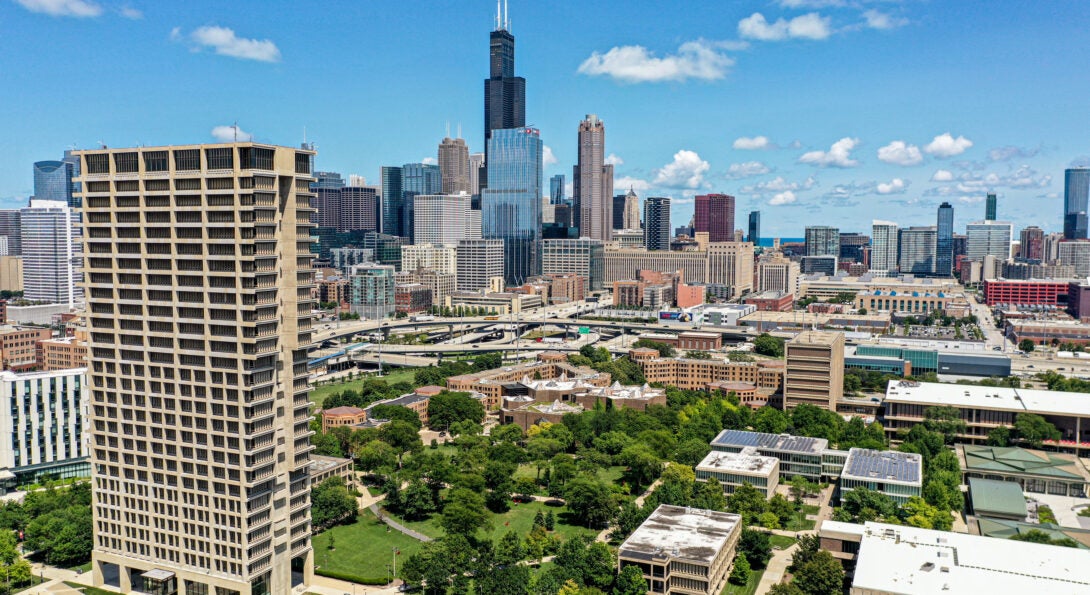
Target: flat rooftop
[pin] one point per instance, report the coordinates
(992, 497)
(1045, 402)
(884, 465)
(778, 442)
(747, 461)
(322, 463)
(680, 532)
(1022, 461)
(910, 561)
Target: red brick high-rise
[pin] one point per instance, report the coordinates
(714, 214)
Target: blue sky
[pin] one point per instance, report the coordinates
(812, 111)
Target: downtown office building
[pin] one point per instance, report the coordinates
(198, 277)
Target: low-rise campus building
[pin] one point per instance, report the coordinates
(537, 413)
(997, 499)
(1035, 471)
(898, 475)
(698, 374)
(550, 365)
(733, 469)
(43, 426)
(904, 560)
(683, 550)
(810, 458)
(323, 467)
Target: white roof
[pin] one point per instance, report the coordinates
(1007, 399)
(907, 560)
(680, 532)
(747, 462)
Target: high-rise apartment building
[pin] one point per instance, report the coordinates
(557, 193)
(618, 212)
(852, 246)
(199, 307)
(53, 181)
(990, 207)
(391, 200)
(454, 166)
(511, 204)
(371, 291)
(327, 198)
(776, 272)
(753, 235)
(359, 210)
(988, 238)
(479, 261)
(476, 166)
(52, 253)
(582, 257)
(416, 179)
(631, 210)
(917, 250)
(592, 183)
(437, 257)
(944, 241)
(10, 228)
(504, 93)
(714, 213)
(884, 245)
(1076, 197)
(1032, 243)
(445, 219)
(656, 223)
(1051, 247)
(814, 370)
(822, 240)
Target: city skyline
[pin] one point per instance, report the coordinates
(870, 134)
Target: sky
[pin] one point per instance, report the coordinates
(831, 112)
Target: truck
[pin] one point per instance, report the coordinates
(423, 318)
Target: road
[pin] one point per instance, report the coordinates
(992, 335)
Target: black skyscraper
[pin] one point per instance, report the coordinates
(504, 93)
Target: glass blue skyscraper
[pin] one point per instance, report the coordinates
(1076, 197)
(511, 204)
(944, 241)
(557, 194)
(399, 186)
(53, 181)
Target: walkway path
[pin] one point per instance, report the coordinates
(776, 569)
(396, 525)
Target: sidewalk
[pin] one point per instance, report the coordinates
(396, 525)
(776, 569)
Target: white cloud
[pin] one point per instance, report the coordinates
(685, 171)
(896, 186)
(945, 145)
(838, 155)
(813, 3)
(807, 26)
(747, 169)
(130, 13)
(784, 198)
(1010, 152)
(226, 43)
(613, 159)
(227, 134)
(900, 153)
(943, 175)
(752, 143)
(627, 182)
(547, 157)
(429, 161)
(698, 59)
(63, 8)
(778, 184)
(880, 20)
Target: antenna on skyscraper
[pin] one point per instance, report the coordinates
(459, 130)
(448, 129)
(499, 16)
(506, 21)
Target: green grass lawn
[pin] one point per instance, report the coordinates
(610, 475)
(810, 508)
(781, 542)
(749, 588)
(519, 519)
(362, 548)
(395, 375)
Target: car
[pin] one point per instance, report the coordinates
(1030, 366)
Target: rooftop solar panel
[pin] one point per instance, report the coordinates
(890, 465)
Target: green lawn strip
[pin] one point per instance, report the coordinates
(89, 590)
(321, 393)
(810, 509)
(749, 588)
(363, 548)
(519, 519)
(781, 542)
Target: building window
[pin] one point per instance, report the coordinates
(156, 161)
(220, 158)
(126, 163)
(187, 160)
(302, 163)
(98, 163)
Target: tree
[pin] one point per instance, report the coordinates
(766, 344)
(822, 575)
(1000, 436)
(464, 513)
(756, 546)
(867, 505)
(1026, 345)
(331, 503)
(398, 412)
(769, 520)
(945, 420)
(1034, 429)
(709, 496)
(815, 422)
(770, 420)
(375, 455)
(664, 349)
(417, 501)
(809, 544)
(630, 581)
(739, 575)
(785, 589)
(918, 513)
(402, 436)
(747, 501)
(1038, 536)
(447, 408)
(782, 508)
(698, 355)
(590, 501)
(644, 465)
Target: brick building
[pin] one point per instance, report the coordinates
(772, 301)
(19, 347)
(700, 374)
(1036, 292)
(411, 298)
